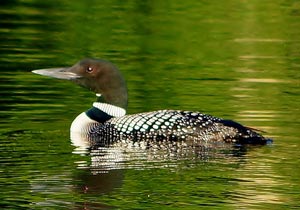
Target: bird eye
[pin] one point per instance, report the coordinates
(89, 69)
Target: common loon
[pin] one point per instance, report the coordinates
(106, 122)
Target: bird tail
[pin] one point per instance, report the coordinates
(247, 135)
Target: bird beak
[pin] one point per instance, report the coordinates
(59, 73)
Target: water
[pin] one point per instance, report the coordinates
(235, 59)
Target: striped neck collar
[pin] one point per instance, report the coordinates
(109, 109)
(102, 112)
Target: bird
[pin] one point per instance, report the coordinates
(106, 122)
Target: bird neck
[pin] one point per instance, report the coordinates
(102, 111)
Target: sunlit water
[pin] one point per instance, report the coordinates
(235, 59)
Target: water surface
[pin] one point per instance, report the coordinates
(235, 59)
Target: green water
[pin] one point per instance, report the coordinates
(233, 59)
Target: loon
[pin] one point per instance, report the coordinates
(106, 121)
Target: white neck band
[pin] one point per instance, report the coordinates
(111, 110)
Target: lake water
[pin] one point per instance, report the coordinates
(233, 59)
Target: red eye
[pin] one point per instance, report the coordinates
(89, 69)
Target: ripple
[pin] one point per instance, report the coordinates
(250, 57)
(262, 40)
(263, 80)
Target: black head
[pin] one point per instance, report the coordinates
(99, 76)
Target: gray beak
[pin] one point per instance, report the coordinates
(59, 73)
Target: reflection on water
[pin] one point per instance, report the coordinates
(264, 80)
(84, 183)
(259, 180)
(259, 40)
(121, 156)
(256, 115)
(232, 59)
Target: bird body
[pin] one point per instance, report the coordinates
(106, 122)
